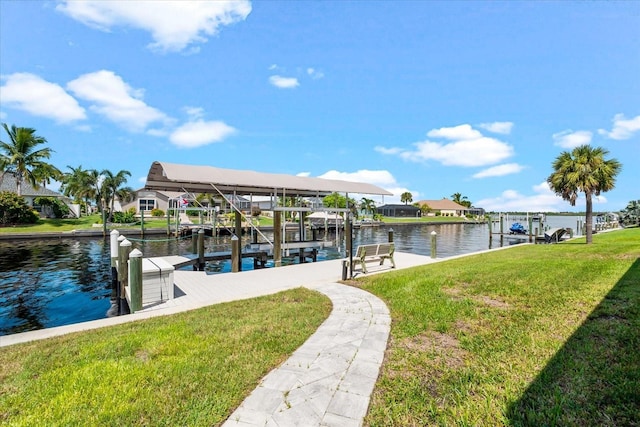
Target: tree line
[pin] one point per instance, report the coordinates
(584, 170)
(25, 156)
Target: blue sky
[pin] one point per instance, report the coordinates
(428, 97)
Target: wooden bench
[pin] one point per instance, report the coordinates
(375, 252)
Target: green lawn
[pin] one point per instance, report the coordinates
(192, 368)
(537, 335)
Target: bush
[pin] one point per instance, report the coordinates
(125, 217)
(255, 211)
(192, 212)
(60, 210)
(157, 212)
(14, 210)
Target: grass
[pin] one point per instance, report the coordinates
(87, 222)
(536, 335)
(192, 368)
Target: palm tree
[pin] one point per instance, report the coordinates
(631, 214)
(82, 185)
(583, 170)
(406, 197)
(461, 200)
(111, 185)
(21, 157)
(368, 205)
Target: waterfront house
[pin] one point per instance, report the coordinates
(29, 194)
(444, 207)
(399, 211)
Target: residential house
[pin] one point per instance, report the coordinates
(399, 211)
(8, 183)
(444, 207)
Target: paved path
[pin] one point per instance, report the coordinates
(329, 379)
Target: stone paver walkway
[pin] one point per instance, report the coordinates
(329, 379)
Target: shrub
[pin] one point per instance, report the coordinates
(60, 210)
(256, 211)
(14, 210)
(124, 217)
(157, 212)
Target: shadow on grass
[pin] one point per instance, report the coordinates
(594, 379)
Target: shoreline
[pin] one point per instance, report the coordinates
(155, 231)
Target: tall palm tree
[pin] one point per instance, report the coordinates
(583, 170)
(406, 197)
(22, 157)
(79, 184)
(111, 185)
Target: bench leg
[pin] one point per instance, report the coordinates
(364, 266)
(393, 263)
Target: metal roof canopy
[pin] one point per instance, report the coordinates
(176, 177)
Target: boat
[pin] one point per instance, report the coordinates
(517, 228)
(554, 235)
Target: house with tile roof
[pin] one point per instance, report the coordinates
(444, 207)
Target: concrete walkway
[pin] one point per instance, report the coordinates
(329, 379)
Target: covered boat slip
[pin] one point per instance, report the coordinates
(229, 184)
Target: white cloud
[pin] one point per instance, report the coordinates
(461, 132)
(303, 174)
(174, 25)
(284, 82)
(478, 152)
(498, 127)
(30, 93)
(622, 128)
(198, 133)
(544, 200)
(3, 115)
(113, 98)
(392, 150)
(469, 148)
(381, 178)
(194, 112)
(500, 170)
(315, 74)
(571, 139)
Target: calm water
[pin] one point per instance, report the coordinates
(46, 283)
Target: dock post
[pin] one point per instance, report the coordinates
(235, 254)
(277, 238)
(194, 242)
(238, 223)
(142, 223)
(530, 228)
(490, 222)
(168, 223)
(390, 234)
(433, 244)
(135, 280)
(201, 250)
(113, 246)
(123, 258)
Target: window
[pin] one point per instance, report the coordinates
(147, 204)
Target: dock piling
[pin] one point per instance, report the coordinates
(235, 254)
(135, 280)
(434, 236)
(201, 249)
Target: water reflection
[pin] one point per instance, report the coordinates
(46, 283)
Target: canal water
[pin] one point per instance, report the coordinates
(46, 283)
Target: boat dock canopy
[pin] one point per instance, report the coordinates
(176, 177)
